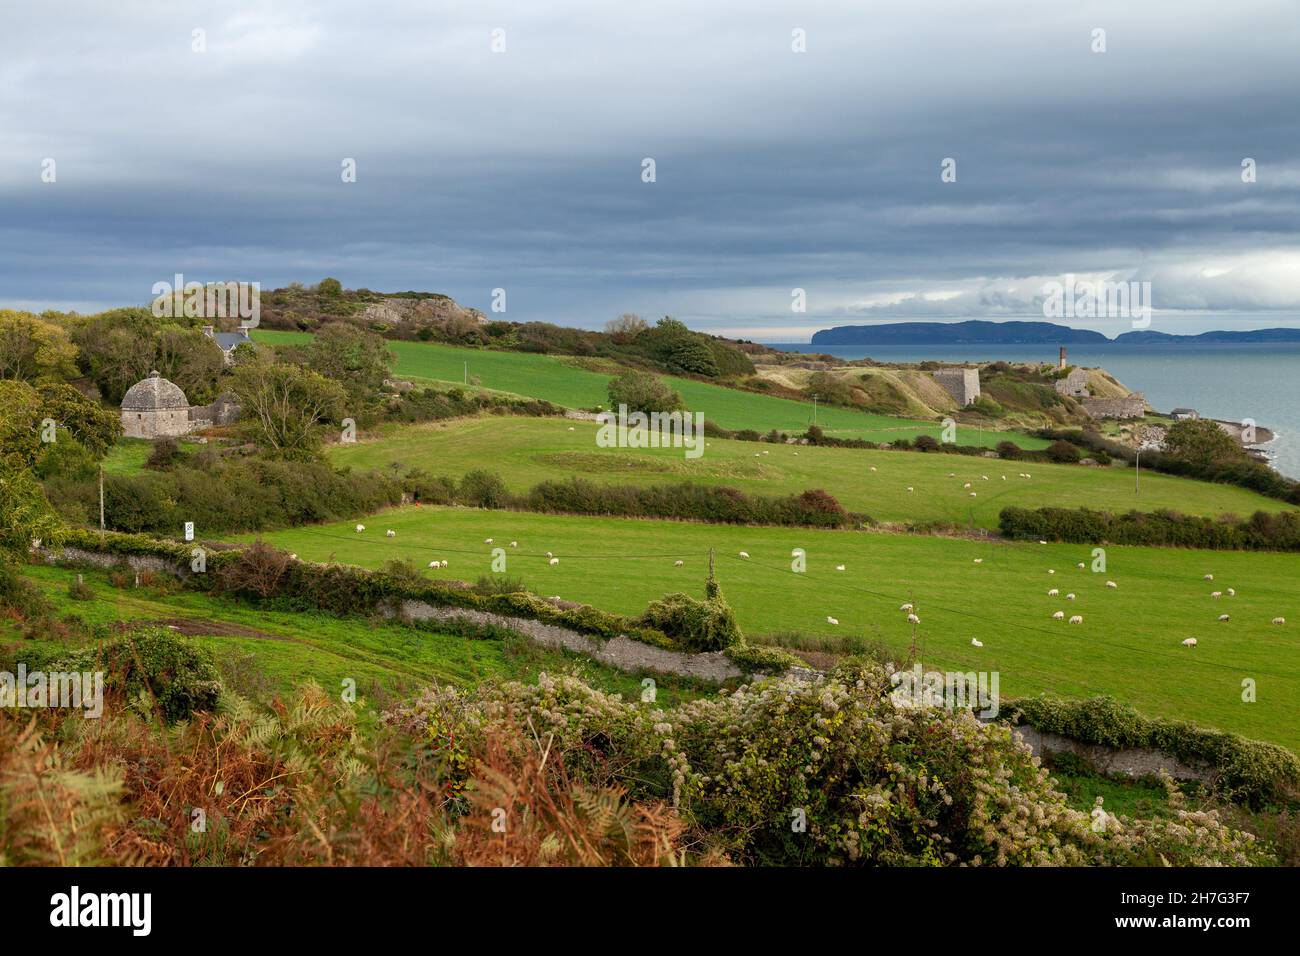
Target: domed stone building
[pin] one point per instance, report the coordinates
(154, 408)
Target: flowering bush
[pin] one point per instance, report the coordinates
(826, 772)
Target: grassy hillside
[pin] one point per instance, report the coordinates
(1128, 646)
(291, 647)
(553, 379)
(525, 451)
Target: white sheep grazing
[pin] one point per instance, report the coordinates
(571, 428)
(984, 477)
(434, 564)
(1079, 565)
(1223, 617)
(549, 555)
(974, 494)
(1070, 596)
(1209, 577)
(1051, 570)
(910, 488)
(1189, 642)
(553, 561)
(514, 544)
(744, 554)
(967, 485)
(913, 619)
(678, 564)
(360, 528)
(839, 567)
(1232, 592)
(1058, 616)
(390, 533)
(1004, 477)
(979, 560)
(1077, 619)
(1054, 592)
(905, 607)
(1111, 584)
(976, 642)
(831, 620)
(487, 540)
(873, 467)
(952, 474)
(1279, 620)
(1216, 594)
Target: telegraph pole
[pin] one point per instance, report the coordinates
(101, 499)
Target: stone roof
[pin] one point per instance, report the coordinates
(154, 393)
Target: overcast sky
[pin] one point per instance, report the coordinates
(774, 169)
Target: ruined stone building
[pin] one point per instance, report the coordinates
(963, 384)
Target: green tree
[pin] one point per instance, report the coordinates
(191, 360)
(1201, 442)
(281, 406)
(357, 359)
(642, 392)
(34, 351)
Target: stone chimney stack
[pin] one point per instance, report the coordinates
(1062, 362)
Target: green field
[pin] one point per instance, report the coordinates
(291, 647)
(525, 451)
(552, 379)
(1128, 646)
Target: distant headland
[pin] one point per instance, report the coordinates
(977, 332)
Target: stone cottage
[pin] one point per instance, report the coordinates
(154, 408)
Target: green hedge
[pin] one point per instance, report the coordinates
(1262, 531)
(1250, 771)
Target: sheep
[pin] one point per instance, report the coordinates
(678, 564)
(1232, 592)
(905, 607)
(360, 528)
(839, 567)
(571, 428)
(1216, 594)
(967, 485)
(910, 488)
(487, 540)
(549, 555)
(976, 642)
(768, 453)
(952, 474)
(1279, 620)
(979, 560)
(1077, 619)
(831, 620)
(1004, 477)
(973, 494)
(1053, 592)
(1051, 570)
(553, 562)
(873, 467)
(743, 554)
(1223, 617)
(984, 477)
(1070, 596)
(1112, 585)
(1209, 577)
(1079, 565)
(913, 619)
(434, 564)
(514, 544)
(1189, 642)
(1040, 541)
(390, 533)
(1058, 616)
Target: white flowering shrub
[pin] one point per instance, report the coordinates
(870, 782)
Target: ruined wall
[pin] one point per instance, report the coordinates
(963, 384)
(1134, 406)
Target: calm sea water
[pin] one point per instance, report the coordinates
(1231, 382)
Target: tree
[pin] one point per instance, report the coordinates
(626, 327)
(1201, 442)
(191, 360)
(1064, 452)
(118, 349)
(281, 405)
(34, 351)
(25, 515)
(357, 359)
(642, 392)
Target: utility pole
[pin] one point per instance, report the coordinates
(466, 379)
(814, 398)
(101, 499)
(1137, 470)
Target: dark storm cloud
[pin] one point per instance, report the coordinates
(775, 170)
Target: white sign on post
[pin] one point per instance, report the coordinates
(189, 531)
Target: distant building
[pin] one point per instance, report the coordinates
(155, 408)
(228, 341)
(1060, 362)
(963, 384)
(1133, 405)
(1183, 414)
(1075, 384)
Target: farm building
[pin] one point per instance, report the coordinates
(1184, 414)
(228, 341)
(963, 384)
(154, 408)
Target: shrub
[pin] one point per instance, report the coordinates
(175, 677)
(164, 453)
(642, 392)
(708, 625)
(482, 489)
(1262, 531)
(1064, 453)
(1008, 450)
(926, 443)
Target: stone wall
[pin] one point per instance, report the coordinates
(1130, 761)
(1133, 406)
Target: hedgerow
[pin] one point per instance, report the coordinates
(1262, 531)
(1245, 770)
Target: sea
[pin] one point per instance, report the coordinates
(1229, 382)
